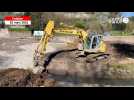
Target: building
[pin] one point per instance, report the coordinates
(2, 25)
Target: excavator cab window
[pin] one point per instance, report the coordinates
(95, 40)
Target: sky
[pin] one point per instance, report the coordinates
(127, 14)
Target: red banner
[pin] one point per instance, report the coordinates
(17, 18)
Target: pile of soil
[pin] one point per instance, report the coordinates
(23, 78)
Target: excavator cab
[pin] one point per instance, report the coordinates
(94, 43)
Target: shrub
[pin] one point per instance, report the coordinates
(80, 24)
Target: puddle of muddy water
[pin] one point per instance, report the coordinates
(5, 61)
(74, 82)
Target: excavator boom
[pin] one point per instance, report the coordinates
(50, 30)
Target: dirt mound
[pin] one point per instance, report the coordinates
(23, 78)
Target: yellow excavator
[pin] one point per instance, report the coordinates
(87, 42)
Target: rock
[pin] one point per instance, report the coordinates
(37, 70)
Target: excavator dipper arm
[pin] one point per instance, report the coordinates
(41, 48)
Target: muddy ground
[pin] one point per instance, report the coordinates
(64, 69)
(24, 78)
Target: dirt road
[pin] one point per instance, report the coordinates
(16, 52)
(120, 39)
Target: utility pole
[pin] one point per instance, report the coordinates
(41, 22)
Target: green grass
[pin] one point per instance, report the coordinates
(121, 33)
(19, 29)
(120, 71)
(123, 66)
